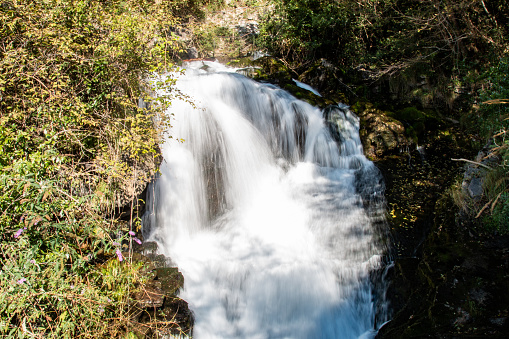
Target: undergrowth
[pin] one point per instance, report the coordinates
(494, 123)
(75, 147)
(491, 122)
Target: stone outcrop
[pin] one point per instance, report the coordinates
(475, 173)
(157, 309)
(381, 134)
(247, 29)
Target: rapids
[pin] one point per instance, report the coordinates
(266, 214)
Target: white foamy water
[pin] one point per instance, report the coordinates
(262, 212)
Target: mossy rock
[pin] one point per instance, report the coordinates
(148, 264)
(242, 62)
(410, 114)
(273, 70)
(178, 316)
(381, 134)
(171, 280)
(420, 125)
(174, 318)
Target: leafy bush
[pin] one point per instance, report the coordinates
(206, 40)
(493, 120)
(493, 113)
(392, 34)
(75, 146)
(497, 220)
(306, 29)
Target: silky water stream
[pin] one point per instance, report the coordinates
(275, 225)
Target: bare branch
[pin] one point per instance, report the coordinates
(473, 162)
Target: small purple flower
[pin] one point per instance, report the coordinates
(18, 233)
(132, 233)
(116, 243)
(119, 255)
(137, 240)
(32, 261)
(21, 281)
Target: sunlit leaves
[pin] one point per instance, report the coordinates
(74, 145)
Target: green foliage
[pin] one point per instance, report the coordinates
(493, 120)
(74, 145)
(493, 114)
(396, 33)
(305, 29)
(209, 38)
(497, 220)
(206, 40)
(187, 10)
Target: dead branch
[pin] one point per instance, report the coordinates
(473, 162)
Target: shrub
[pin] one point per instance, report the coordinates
(74, 146)
(493, 118)
(391, 35)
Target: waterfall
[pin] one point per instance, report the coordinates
(271, 218)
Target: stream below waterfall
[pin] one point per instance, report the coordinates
(274, 224)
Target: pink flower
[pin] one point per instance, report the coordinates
(116, 243)
(18, 233)
(21, 281)
(119, 255)
(32, 261)
(132, 233)
(137, 240)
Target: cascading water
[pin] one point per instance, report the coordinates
(264, 214)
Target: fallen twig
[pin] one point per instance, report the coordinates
(472, 162)
(483, 209)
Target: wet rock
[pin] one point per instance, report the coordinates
(475, 188)
(499, 321)
(475, 264)
(171, 280)
(192, 53)
(248, 29)
(473, 178)
(480, 296)
(463, 318)
(157, 309)
(148, 248)
(151, 295)
(159, 260)
(148, 265)
(337, 118)
(456, 289)
(173, 319)
(381, 135)
(177, 311)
